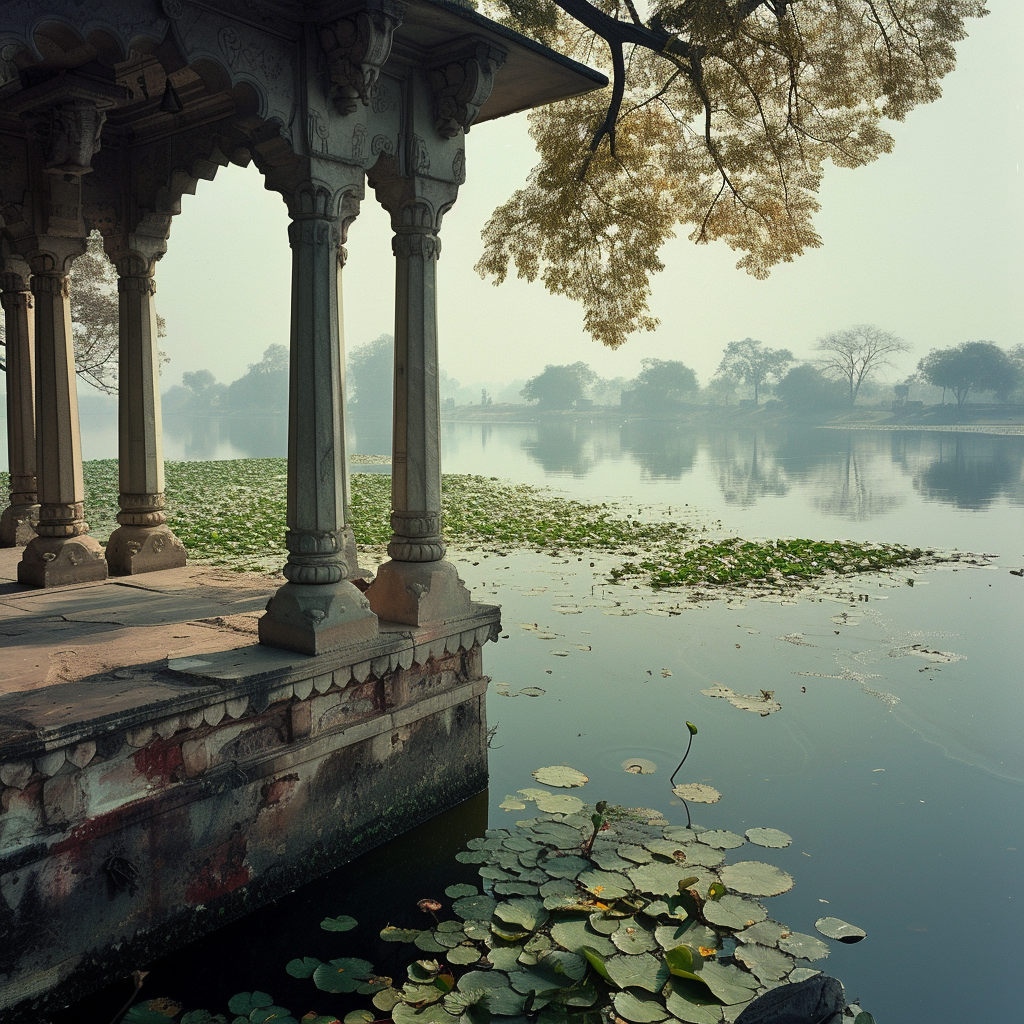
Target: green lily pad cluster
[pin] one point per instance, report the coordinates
(649, 924)
(773, 564)
(581, 918)
(232, 514)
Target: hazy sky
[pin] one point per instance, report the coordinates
(926, 242)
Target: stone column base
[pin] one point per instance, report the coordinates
(18, 525)
(60, 561)
(418, 593)
(314, 618)
(351, 553)
(135, 549)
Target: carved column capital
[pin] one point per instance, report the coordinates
(14, 291)
(357, 46)
(462, 77)
(69, 135)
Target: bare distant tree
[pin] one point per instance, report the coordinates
(856, 354)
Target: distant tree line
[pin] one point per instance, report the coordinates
(846, 365)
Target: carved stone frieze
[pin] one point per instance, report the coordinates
(68, 134)
(416, 243)
(357, 47)
(462, 77)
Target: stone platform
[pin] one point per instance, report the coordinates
(162, 773)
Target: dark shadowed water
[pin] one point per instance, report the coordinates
(896, 761)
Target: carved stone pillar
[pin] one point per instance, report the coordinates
(19, 518)
(143, 542)
(318, 609)
(63, 552)
(417, 586)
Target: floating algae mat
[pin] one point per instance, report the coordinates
(553, 936)
(232, 514)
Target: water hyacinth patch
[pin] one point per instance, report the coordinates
(669, 938)
(232, 514)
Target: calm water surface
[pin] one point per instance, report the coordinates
(899, 773)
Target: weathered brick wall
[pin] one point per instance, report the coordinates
(137, 837)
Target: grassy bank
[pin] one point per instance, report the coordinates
(232, 514)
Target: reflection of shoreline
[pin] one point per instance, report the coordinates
(1001, 430)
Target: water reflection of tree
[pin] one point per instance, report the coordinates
(747, 468)
(847, 486)
(663, 450)
(564, 447)
(974, 471)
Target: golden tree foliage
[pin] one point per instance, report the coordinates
(719, 119)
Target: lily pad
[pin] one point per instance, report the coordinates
(303, 968)
(720, 839)
(762, 703)
(606, 885)
(463, 955)
(564, 866)
(573, 934)
(461, 889)
(392, 934)
(734, 912)
(834, 928)
(697, 792)
(343, 975)
(474, 908)
(692, 1002)
(658, 878)
(702, 856)
(765, 963)
(769, 837)
(764, 933)
(343, 923)
(557, 834)
(637, 971)
(434, 1013)
(605, 857)
(533, 691)
(805, 947)
(527, 911)
(571, 965)
(512, 803)
(639, 1008)
(482, 979)
(756, 879)
(560, 776)
(728, 982)
(639, 766)
(632, 937)
(559, 803)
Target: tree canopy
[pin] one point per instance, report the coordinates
(264, 387)
(749, 362)
(855, 355)
(663, 382)
(719, 119)
(371, 376)
(972, 366)
(94, 318)
(559, 387)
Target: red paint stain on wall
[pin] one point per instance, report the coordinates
(219, 870)
(159, 760)
(279, 790)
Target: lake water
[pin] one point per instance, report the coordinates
(896, 761)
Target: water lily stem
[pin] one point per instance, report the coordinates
(672, 777)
